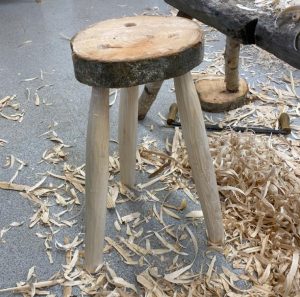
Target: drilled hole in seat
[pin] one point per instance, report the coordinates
(130, 25)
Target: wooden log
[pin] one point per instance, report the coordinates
(282, 42)
(136, 50)
(219, 95)
(247, 27)
(232, 54)
(214, 97)
(97, 150)
(225, 16)
(148, 97)
(194, 134)
(128, 112)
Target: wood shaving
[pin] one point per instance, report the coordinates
(7, 103)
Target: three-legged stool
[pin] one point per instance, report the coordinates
(124, 53)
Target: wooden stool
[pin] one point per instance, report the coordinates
(124, 53)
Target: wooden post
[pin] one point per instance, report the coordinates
(195, 137)
(232, 52)
(128, 117)
(97, 150)
(148, 97)
(217, 94)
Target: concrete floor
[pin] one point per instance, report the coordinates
(44, 25)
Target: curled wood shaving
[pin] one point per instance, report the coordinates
(6, 103)
(174, 276)
(121, 251)
(118, 281)
(292, 273)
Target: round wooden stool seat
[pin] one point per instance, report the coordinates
(132, 51)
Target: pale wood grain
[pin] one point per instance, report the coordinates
(131, 51)
(97, 150)
(136, 38)
(128, 117)
(214, 96)
(195, 137)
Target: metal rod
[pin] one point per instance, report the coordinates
(257, 130)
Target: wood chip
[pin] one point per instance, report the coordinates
(125, 255)
(291, 275)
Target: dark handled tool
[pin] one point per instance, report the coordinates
(173, 110)
(284, 124)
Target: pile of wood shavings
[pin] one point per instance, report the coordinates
(259, 186)
(259, 181)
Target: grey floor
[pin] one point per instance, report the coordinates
(32, 39)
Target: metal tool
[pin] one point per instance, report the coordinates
(284, 124)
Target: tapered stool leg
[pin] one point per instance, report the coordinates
(97, 153)
(195, 137)
(128, 118)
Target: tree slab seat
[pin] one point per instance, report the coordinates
(129, 51)
(248, 27)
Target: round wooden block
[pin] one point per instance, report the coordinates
(215, 98)
(135, 50)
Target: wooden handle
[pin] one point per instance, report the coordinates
(284, 123)
(173, 110)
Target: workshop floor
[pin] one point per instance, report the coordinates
(33, 44)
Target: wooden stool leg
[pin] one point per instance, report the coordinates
(128, 118)
(148, 97)
(195, 137)
(97, 153)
